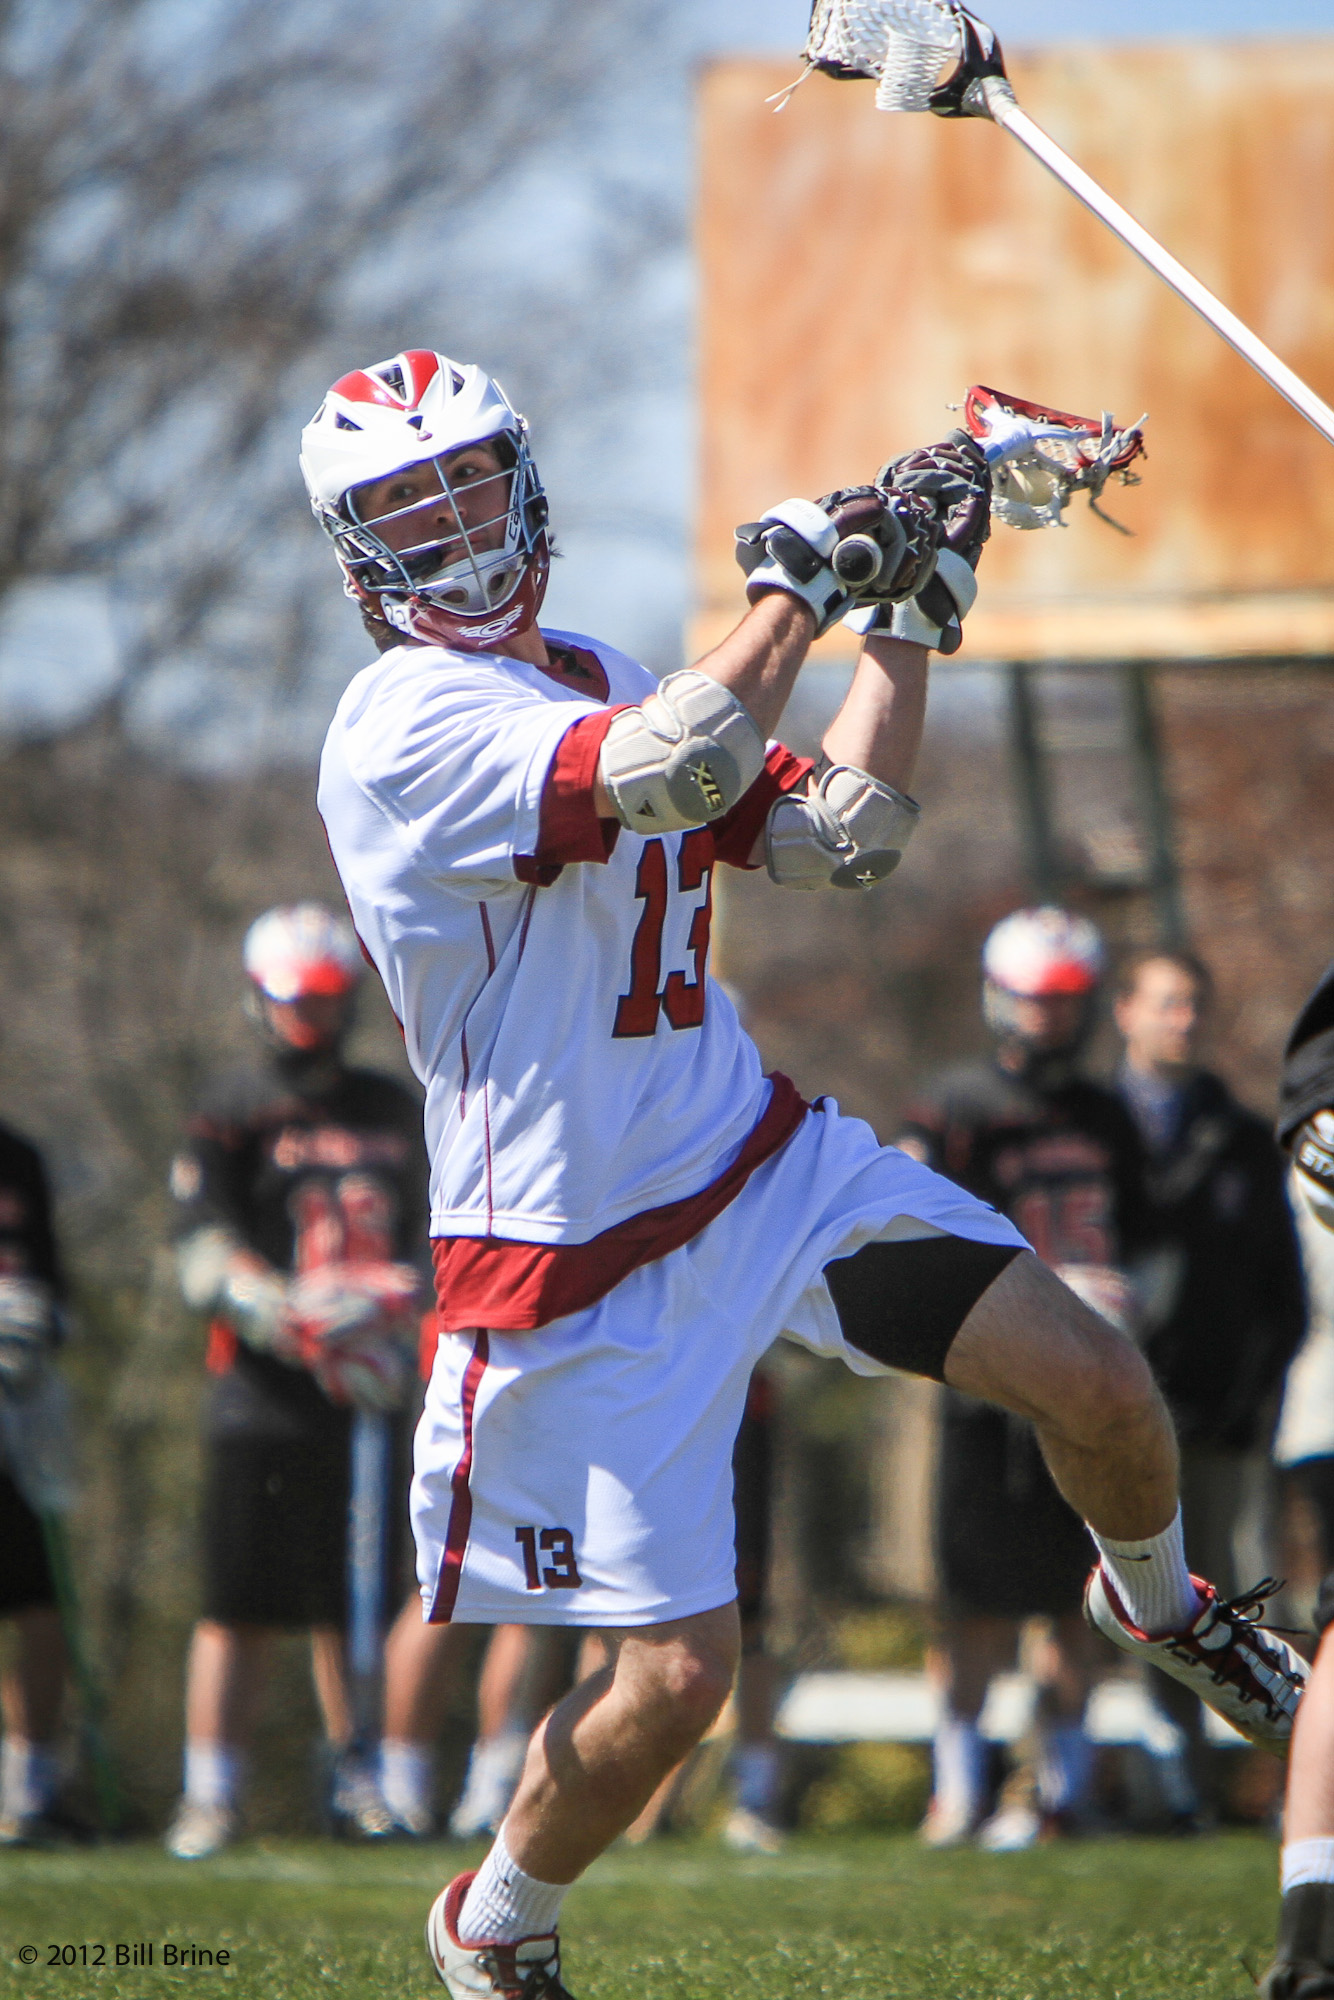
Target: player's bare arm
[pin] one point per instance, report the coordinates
(879, 726)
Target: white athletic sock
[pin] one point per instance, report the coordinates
(755, 1775)
(407, 1777)
(29, 1777)
(1151, 1578)
(959, 1759)
(1306, 1861)
(504, 1905)
(213, 1774)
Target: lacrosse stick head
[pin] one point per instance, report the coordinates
(1039, 456)
(904, 45)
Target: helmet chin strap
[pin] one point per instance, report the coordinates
(417, 617)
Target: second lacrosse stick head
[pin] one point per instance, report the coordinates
(904, 45)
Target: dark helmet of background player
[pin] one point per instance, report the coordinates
(1041, 969)
(303, 966)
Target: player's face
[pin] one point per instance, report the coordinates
(315, 1021)
(1049, 1021)
(415, 509)
(1160, 1018)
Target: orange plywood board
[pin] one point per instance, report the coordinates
(860, 269)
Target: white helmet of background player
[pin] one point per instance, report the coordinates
(303, 965)
(440, 585)
(1035, 955)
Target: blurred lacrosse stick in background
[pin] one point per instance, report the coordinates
(905, 44)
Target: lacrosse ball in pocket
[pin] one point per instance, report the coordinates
(1025, 483)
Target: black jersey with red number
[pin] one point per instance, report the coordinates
(27, 1240)
(308, 1162)
(1062, 1159)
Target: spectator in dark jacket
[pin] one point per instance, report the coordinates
(1225, 1311)
(1223, 1308)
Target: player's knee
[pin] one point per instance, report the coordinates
(693, 1682)
(1110, 1394)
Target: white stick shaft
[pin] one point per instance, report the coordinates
(1248, 345)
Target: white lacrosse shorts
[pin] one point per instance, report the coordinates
(581, 1474)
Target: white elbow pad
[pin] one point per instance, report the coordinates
(849, 831)
(682, 757)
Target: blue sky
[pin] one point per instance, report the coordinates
(781, 24)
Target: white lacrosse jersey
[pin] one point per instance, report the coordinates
(591, 1097)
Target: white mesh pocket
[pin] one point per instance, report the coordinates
(904, 43)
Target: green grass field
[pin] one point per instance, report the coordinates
(874, 1916)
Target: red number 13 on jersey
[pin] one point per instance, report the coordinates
(681, 999)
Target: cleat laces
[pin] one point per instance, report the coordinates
(1248, 1668)
(541, 1982)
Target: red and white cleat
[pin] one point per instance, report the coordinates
(527, 1970)
(1250, 1676)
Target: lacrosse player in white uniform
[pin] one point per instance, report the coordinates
(626, 1212)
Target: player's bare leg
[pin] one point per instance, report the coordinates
(521, 1674)
(1308, 1813)
(592, 1767)
(1030, 1346)
(32, 1690)
(333, 1690)
(597, 1759)
(1304, 1966)
(970, 1652)
(225, 1677)
(224, 1681)
(352, 1799)
(421, 1666)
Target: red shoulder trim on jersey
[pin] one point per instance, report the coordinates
(568, 829)
(735, 834)
(515, 1287)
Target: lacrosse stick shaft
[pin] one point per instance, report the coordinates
(368, 1517)
(110, 1805)
(1006, 113)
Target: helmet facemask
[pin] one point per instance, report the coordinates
(443, 581)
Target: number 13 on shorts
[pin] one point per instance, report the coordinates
(560, 1572)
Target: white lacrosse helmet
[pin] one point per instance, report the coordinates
(1033, 954)
(300, 949)
(417, 409)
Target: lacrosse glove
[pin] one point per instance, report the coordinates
(954, 480)
(355, 1325)
(853, 545)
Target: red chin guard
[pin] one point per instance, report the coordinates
(483, 631)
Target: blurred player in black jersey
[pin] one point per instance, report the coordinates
(35, 1481)
(1060, 1156)
(302, 1198)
